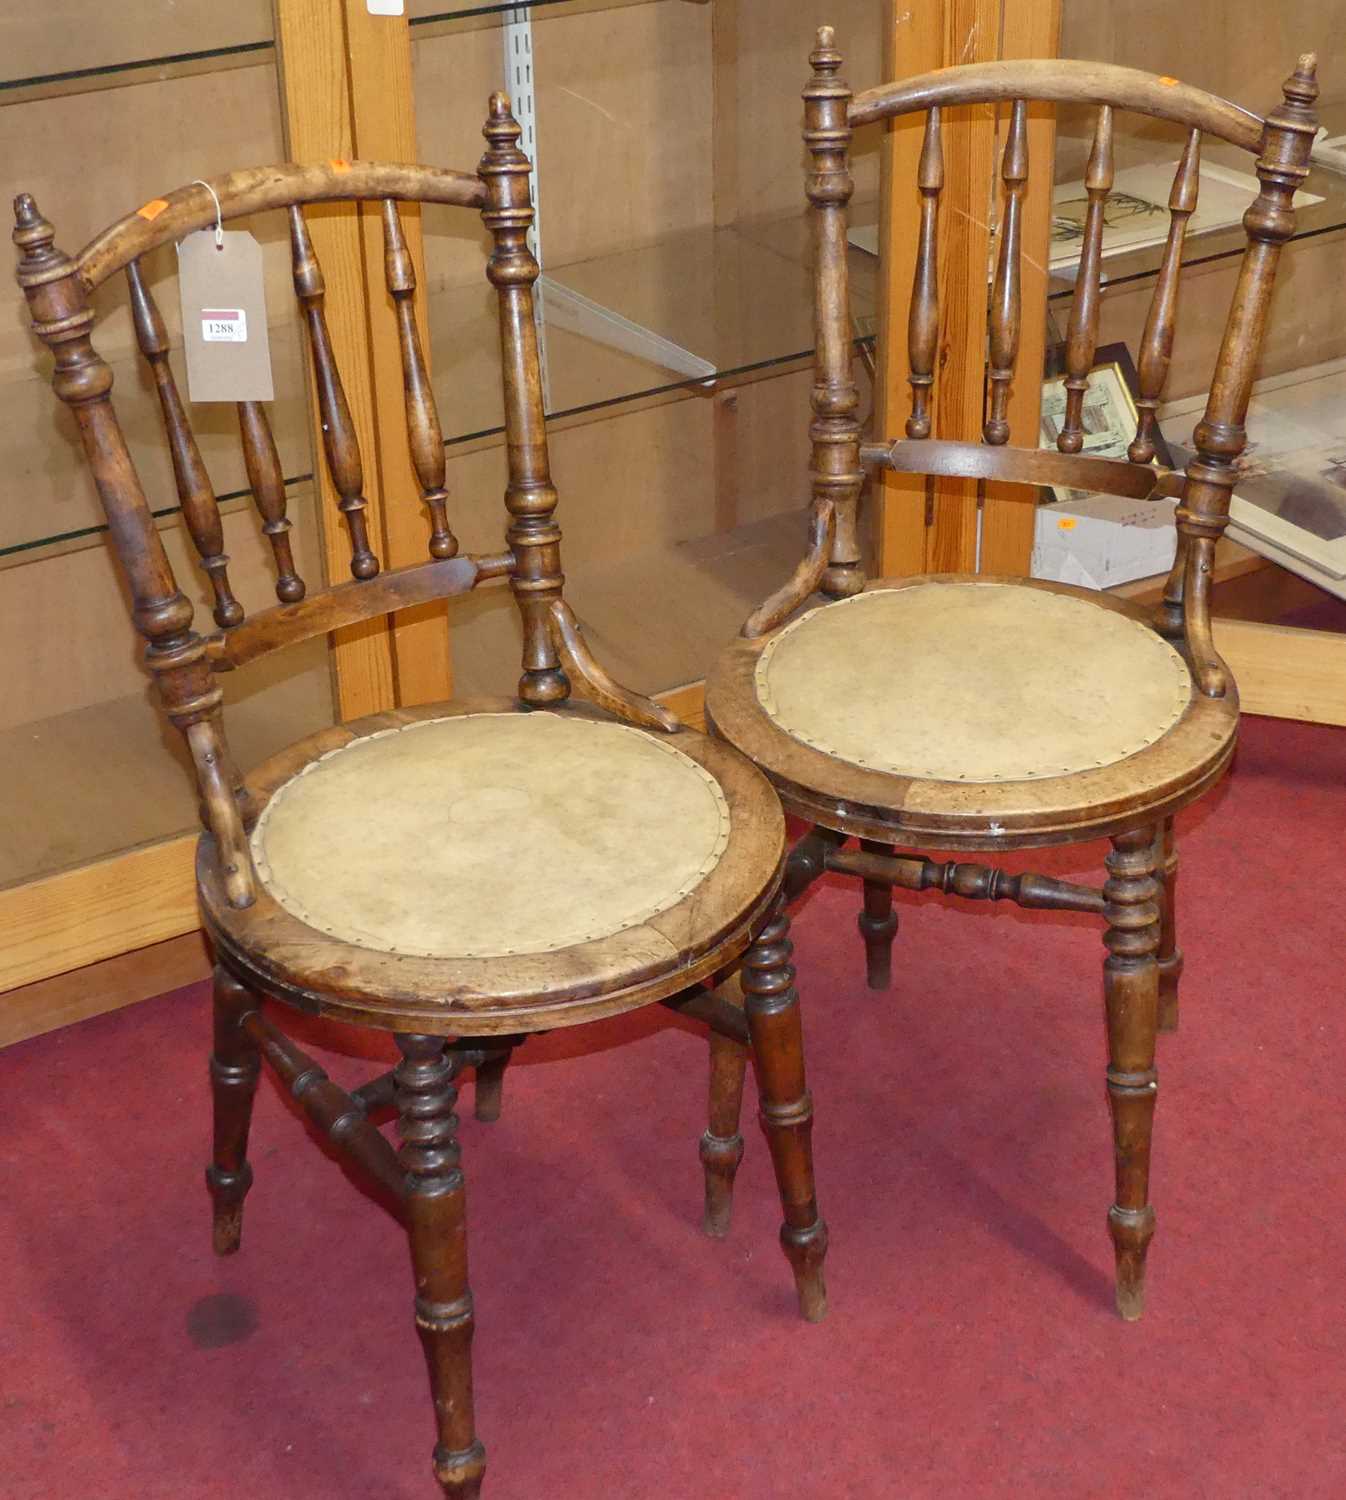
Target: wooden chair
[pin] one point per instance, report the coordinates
(463, 874)
(985, 714)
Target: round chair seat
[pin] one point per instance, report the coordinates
(971, 710)
(476, 858)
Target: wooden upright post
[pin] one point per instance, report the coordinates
(1030, 28)
(346, 92)
(383, 111)
(931, 526)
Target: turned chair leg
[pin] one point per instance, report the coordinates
(878, 924)
(1170, 955)
(787, 1111)
(436, 1223)
(1131, 993)
(490, 1076)
(722, 1144)
(234, 1069)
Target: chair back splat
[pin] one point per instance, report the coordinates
(1280, 144)
(60, 288)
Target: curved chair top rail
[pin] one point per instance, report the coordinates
(1063, 81)
(255, 189)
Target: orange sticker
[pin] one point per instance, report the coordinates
(1169, 83)
(153, 208)
(339, 164)
(1067, 523)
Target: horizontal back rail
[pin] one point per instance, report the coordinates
(953, 460)
(1063, 81)
(348, 604)
(254, 190)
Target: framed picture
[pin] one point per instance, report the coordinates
(1289, 499)
(1109, 416)
(1136, 215)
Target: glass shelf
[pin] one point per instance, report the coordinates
(100, 107)
(70, 46)
(736, 298)
(422, 13)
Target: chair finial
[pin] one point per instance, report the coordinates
(1301, 87)
(34, 236)
(505, 171)
(825, 59)
(31, 230)
(502, 130)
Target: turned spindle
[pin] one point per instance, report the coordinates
(923, 315)
(1006, 310)
(1082, 333)
(340, 445)
(1156, 344)
(266, 479)
(1156, 351)
(424, 433)
(200, 509)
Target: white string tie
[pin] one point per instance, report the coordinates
(219, 215)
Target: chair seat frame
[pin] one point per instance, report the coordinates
(912, 811)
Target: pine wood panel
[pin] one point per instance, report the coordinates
(318, 122)
(383, 109)
(970, 34)
(912, 43)
(1030, 28)
(917, 40)
(110, 907)
(1286, 673)
(108, 985)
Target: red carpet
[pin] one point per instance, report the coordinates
(963, 1162)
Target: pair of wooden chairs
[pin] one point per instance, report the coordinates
(465, 874)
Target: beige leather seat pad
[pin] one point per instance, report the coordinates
(972, 682)
(491, 833)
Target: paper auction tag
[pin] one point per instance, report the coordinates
(224, 329)
(386, 7)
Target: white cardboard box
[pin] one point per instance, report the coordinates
(1103, 540)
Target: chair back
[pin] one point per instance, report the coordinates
(59, 289)
(1280, 144)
